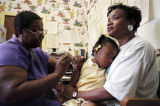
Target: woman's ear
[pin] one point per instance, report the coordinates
(19, 37)
(132, 22)
(19, 31)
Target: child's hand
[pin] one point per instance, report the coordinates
(68, 91)
(77, 63)
(60, 89)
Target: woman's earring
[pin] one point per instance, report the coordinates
(130, 27)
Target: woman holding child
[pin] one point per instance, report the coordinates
(133, 72)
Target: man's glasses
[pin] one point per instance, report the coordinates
(37, 32)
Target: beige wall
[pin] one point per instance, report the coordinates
(151, 30)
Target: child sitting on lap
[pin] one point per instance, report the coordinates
(92, 74)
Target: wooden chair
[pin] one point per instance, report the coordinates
(142, 101)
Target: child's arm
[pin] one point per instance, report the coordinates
(77, 65)
(75, 76)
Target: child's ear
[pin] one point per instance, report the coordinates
(95, 52)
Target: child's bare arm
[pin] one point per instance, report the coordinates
(77, 65)
(75, 77)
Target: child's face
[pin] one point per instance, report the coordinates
(106, 55)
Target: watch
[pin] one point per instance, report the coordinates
(74, 95)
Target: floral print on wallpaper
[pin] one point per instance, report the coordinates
(69, 13)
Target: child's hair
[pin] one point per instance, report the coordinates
(102, 41)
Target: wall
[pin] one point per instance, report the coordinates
(151, 30)
(96, 21)
(77, 24)
(65, 20)
(97, 17)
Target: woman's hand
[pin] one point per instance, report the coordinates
(68, 91)
(63, 64)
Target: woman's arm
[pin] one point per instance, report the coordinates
(92, 95)
(95, 95)
(51, 64)
(15, 87)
